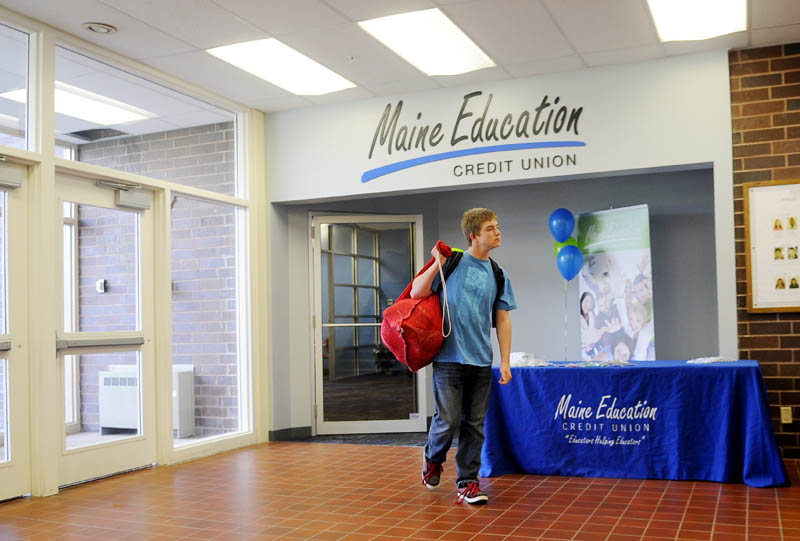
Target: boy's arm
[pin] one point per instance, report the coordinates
(504, 340)
(421, 286)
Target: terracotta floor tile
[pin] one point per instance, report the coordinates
(321, 491)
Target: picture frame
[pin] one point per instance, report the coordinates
(772, 245)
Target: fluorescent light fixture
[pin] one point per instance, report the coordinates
(79, 103)
(279, 64)
(691, 20)
(429, 41)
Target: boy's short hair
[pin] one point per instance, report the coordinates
(473, 219)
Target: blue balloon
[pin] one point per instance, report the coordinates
(569, 261)
(562, 222)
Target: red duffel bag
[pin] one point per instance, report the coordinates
(413, 329)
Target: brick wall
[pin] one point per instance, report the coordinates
(765, 110)
(200, 156)
(107, 251)
(204, 310)
(203, 257)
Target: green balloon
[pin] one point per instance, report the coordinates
(558, 245)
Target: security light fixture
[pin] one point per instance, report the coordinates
(99, 28)
(279, 64)
(691, 20)
(429, 41)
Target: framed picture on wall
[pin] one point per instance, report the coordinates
(772, 245)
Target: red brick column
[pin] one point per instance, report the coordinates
(765, 111)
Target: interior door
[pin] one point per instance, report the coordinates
(361, 265)
(15, 477)
(105, 346)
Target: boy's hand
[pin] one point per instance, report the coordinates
(505, 373)
(435, 253)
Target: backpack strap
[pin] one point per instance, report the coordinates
(452, 263)
(501, 287)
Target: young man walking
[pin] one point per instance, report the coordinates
(476, 290)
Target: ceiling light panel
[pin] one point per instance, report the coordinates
(279, 64)
(429, 41)
(692, 20)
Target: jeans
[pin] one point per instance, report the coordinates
(461, 392)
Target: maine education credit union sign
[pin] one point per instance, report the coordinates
(479, 128)
(607, 421)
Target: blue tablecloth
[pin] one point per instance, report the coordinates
(663, 419)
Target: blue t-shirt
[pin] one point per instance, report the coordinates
(471, 292)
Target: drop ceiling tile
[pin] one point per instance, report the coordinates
(510, 31)
(361, 10)
(133, 38)
(598, 26)
(283, 16)
(473, 77)
(551, 65)
(333, 47)
(200, 23)
(272, 105)
(405, 86)
(769, 13)
(738, 40)
(350, 94)
(211, 73)
(623, 56)
(779, 35)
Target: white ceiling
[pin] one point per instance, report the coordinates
(523, 37)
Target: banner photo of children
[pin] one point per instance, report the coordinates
(616, 286)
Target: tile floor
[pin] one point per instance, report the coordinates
(353, 492)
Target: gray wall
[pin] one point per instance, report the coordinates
(682, 250)
(683, 253)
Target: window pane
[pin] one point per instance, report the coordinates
(343, 301)
(108, 397)
(342, 239)
(366, 302)
(342, 269)
(366, 272)
(108, 117)
(107, 271)
(3, 269)
(368, 336)
(207, 365)
(324, 289)
(366, 242)
(13, 87)
(4, 447)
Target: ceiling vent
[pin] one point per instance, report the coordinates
(96, 133)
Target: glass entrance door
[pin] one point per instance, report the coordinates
(15, 477)
(105, 347)
(361, 265)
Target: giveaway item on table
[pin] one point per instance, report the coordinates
(520, 358)
(709, 360)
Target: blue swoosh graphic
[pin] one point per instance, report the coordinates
(399, 166)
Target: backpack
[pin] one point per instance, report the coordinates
(452, 263)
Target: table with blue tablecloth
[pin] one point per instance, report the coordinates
(648, 420)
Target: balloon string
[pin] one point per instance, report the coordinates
(565, 320)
